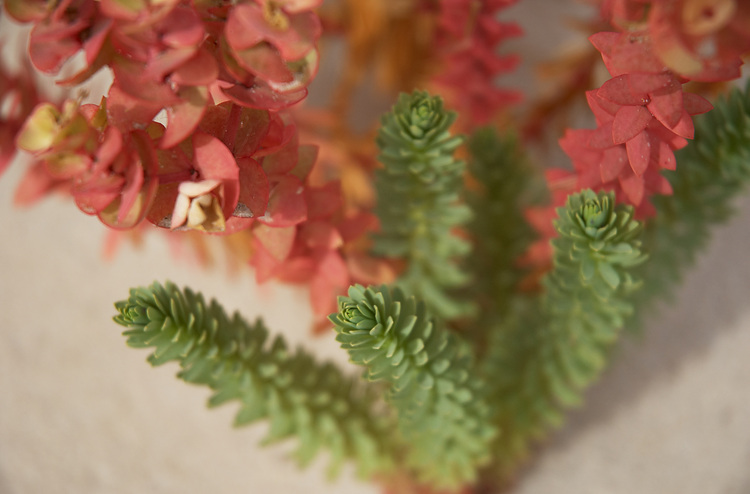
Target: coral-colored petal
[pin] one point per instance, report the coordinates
(615, 159)
(629, 122)
(666, 106)
(320, 236)
(330, 281)
(35, 184)
(601, 138)
(618, 90)
(183, 118)
(286, 204)
(696, 104)
(633, 187)
(639, 153)
(307, 156)
(277, 241)
(201, 70)
(284, 159)
(666, 157)
(266, 266)
(261, 96)
(214, 161)
(126, 112)
(322, 202)
(254, 187)
(684, 127)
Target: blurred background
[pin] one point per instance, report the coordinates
(82, 413)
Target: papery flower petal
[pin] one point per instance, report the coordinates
(200, 70)
(619, 91)
(320, 236)
(183, 118)
(254, 187)
(261, 96)
(629, 122)
(696, 104)
(286, 204)
(324, 201)
(634, 188)
(639, 153)
(666, 105)
(615, 160)
(214, 161)
(277, 241)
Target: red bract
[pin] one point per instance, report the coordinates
(18, 97)
(111, 174)
(701, 39)
(467, 39)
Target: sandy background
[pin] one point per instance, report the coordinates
(82, 413)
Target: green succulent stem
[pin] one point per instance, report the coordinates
(418, 201)
(442, 414)
(550, 348)
(314, 402)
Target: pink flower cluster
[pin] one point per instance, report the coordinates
(467, 41)
(642, 113)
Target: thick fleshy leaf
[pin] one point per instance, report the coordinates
(696, 104)
(324, 201)
(139, 179)
(639, 152)
(35, 184)
(634, 188)
(629, 122)
(254, 187)
(182, 27)
(262, 96)
(604, 110)
(51, 45)
(283, 160)
(127, 10)
(295, 6)
(183, 118)
(126, 112)
(265, 62)
(247, 26)
(331, 280)
(320, 236)
(40, 129)
(303, 71)
(166, 62)
(277, 241)
(618, 90)
(26, 10)
(684, 127)
(286, 204)
(131, 79)
(307, 156)
(201, 70)
(266, 265)
(601, 137)
(666, 105)
(213, 160)
(615, 160)
(666, 157)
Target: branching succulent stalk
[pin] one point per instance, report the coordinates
(498, 229)
(546, 354)
(442, 413)
(418, 201)
(302, 398)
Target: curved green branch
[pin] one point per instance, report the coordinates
(314, 402)
(418, 201)
(546, 353)
(442, 413)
